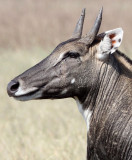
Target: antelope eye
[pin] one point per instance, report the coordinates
(72, 54)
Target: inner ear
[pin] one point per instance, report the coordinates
(110, 43)
(115, 37)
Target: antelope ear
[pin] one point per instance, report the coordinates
(110, 43)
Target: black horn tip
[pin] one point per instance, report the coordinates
(83, 12)
(79, 26)
(99, 17)
(101, 11)
(89, 38)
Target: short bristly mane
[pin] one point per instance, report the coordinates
(124, 60)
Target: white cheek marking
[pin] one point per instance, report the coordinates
(21, 91)
(64, 91)
(60, 58)
(73, 81)
(85, 113)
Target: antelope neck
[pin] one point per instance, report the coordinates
(98, 98)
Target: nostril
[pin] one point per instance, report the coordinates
(14, 87)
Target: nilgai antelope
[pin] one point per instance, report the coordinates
(91, 70)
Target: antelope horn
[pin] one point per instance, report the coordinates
(89, 38)
(79, 26)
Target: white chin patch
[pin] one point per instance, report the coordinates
(24, 98)
(22, 92)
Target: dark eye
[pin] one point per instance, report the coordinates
(72, 55)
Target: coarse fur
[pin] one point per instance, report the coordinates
(99, 77)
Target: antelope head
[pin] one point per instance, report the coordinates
(71, 69)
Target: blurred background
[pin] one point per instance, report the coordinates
(29, 31)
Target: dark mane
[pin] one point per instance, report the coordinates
(125, 57)
(124, 61)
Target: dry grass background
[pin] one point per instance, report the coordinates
(29, 30)
(25, 23)
(37, 130)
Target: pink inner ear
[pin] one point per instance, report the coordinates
(113, 41)
(112, 35)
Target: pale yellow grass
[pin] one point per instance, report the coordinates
(25, 23)
(46, 130)
(37, 130)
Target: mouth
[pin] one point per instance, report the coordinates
(29, 96)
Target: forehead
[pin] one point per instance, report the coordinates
(70, 45)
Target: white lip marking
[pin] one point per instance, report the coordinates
(29, 97)
(85, 113)
(73, 81)
(21, 91)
